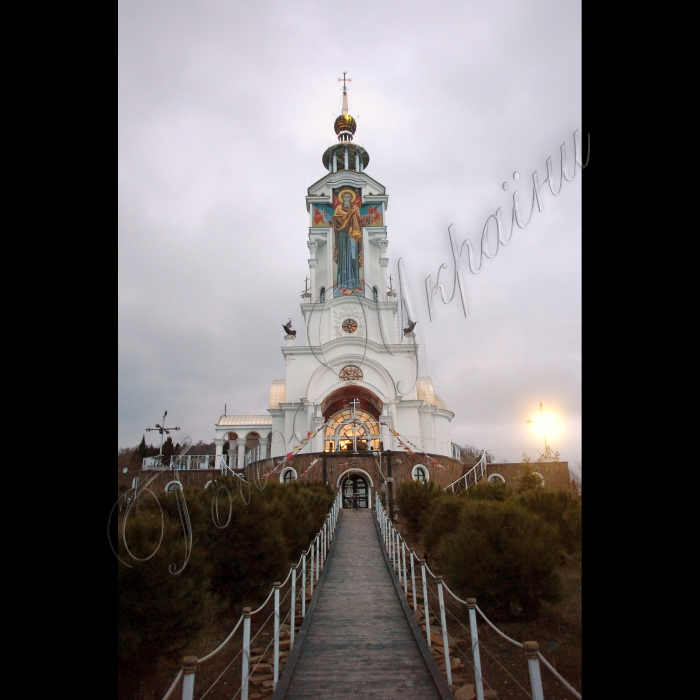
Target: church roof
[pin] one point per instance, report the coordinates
(426, 392)
(245, 420)
(278, 392)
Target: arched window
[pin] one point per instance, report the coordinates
(420, 473)
(375, 294)
(172, 486)
(322, 297)
(350, 372)
(496, 479)
(353, 432)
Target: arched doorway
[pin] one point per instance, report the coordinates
(355, 490)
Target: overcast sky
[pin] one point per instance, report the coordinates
(225, 109)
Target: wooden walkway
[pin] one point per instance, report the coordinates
(358, 642)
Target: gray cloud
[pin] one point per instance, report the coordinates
(224, 111)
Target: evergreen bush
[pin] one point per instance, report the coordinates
(504, 556)
(561, 510)
(159, 614)
(440, 517)
(413, 498)
(489, 492)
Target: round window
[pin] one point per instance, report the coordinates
(420, 473)
(496, 479)
(349, 325)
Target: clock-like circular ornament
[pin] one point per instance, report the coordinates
(349, 325)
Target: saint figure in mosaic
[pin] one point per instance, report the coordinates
(347, 224)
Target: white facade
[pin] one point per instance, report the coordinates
(356, 355)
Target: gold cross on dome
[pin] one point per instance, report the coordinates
(344, 79)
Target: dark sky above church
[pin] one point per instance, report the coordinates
(225, 109)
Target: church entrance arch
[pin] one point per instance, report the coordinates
(356, 488)
(352, 420)
(355, 491)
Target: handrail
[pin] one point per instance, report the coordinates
(554, 671)
(172, 687)
(386, 522)
(223, 644)
(322, 541)
(481, 463)
(493, 627)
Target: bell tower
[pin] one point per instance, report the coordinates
(347, 235)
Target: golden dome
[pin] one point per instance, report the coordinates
(345, 122)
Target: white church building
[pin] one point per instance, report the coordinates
(355, 385)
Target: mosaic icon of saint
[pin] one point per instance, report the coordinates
(347, 223)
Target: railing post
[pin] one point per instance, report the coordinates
(318, 547)
(531, 650)
(478, 680)
(425, 603)
(245, 660)
(405, 581)
(276, 667)
(445, 640)
(293, 610)
(396, 551)
(311, 572)
(413, 584)
(303, 585)
(189, 666)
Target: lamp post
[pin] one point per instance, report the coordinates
(162, 429)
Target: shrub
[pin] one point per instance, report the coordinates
(159, 614)
(489, 492)
(528, 480)
(413, 498)
(250, 552)
(504, 556)
(440, 517)
(561, 510)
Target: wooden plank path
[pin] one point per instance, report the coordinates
(358, 641)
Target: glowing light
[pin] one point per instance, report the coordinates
(546, 424)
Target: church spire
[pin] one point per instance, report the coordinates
(345, 125)
(345, 91)
(345, 155)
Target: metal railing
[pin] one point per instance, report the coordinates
(471, 477)
(191, 462)
(305, 572)
(430, 445)
(260, 452)
(398, 552)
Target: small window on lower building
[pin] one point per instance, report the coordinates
(322, 295)
(420, 473)
(288, 475)
(172, 486)
(375, 294)
(496, 479)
